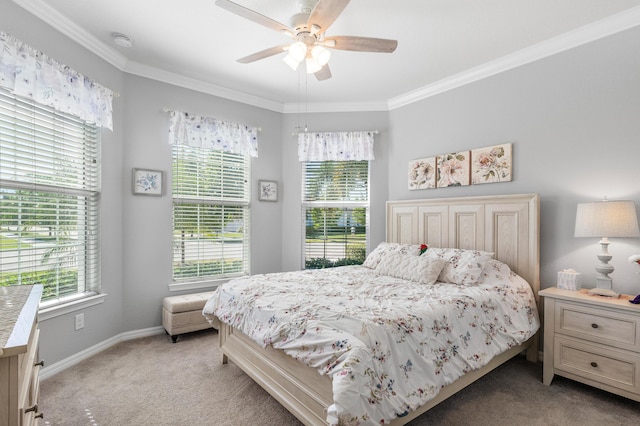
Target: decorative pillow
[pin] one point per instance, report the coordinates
(384, 249)
(495, 271)
(421, 269)
(462, 266)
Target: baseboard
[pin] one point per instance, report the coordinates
(74, 359)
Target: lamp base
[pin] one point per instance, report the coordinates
(607, 292)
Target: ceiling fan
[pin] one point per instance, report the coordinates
(308, 29)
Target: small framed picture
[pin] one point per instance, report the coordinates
(147, 182)
(268, 190)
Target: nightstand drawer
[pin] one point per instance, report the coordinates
(617, 368)
(598, 325)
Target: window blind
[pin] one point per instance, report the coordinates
(335, 212)
(49, 200)
(210, 214)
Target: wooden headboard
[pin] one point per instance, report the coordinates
(507, 225)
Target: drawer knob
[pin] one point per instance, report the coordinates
(39, 416)
(32, 408)
(41, 363)
(594, 364)
(594, 325)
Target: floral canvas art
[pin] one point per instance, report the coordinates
(491, 164)
(453, 169)
(422, 173)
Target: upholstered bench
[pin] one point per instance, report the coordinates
(183, 314)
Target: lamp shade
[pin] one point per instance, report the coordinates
(607, 219)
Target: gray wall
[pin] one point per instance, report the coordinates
(102, 322)
(136, 230)
(572, 119)
(147, 220)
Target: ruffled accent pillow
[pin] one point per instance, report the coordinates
(421, 269)
(463, 267)
(384, 249)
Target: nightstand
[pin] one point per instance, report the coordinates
(19, 366)
(592, 339)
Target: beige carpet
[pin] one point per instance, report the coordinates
(150, 381)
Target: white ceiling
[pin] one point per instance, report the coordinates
(441, 44)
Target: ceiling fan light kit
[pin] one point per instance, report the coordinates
(308, 29)
(315, 58)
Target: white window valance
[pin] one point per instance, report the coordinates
(30, 73)
(211, 133)
(335, 146)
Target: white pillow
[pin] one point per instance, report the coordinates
(384, 249)
(462, 266)
(495, 271)
(421, 269)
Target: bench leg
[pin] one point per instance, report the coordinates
(174, 338)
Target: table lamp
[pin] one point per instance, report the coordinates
(603, 220)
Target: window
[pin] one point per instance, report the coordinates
(335, 212)
(210, 214)
(49, 200)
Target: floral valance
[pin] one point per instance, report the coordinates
(211, 133)
(30, 73)
(335, 146)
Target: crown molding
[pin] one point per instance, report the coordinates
(303, 108)
(586, 34)
(164, 76)
(76, 33)
(583, 35)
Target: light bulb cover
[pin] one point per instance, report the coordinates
(298, 50)
(321, 55)
(312, 66)
(291, 61)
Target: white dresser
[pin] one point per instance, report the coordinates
(592, 339)
(19, 363)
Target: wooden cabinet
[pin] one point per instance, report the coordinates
(19, 363)
(592, 339)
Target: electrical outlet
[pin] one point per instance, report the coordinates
(79, 321)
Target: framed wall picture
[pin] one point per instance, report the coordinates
(491, 164)
(147, 182)
(422, 173)
(454, 169)
(268, 190)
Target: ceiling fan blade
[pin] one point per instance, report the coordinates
(263, 54)
(325, 13)
(324, 73)
(254, 16)
(362, 44)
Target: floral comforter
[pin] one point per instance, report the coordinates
(389, 345)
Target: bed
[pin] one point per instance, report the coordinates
(506, 226)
